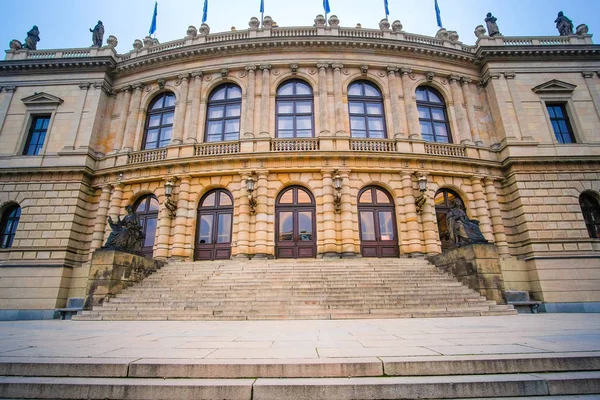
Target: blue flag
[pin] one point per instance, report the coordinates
(387, 9)
(326, 6)
(438, 15)
(205, 11)
(153, 24)
(262, 6)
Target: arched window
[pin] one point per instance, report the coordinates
(432, 115)
(295, 110)
(8, 225)
(146, 209)
(590, 209)
(159, 122)
(365, 105)
(215, 224)
(377, 223)
(295, 226)
(223, 115)
(444, 198)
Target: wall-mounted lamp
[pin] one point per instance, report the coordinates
(250, 186)
(169, 203)
(337, 197)
(420, 201)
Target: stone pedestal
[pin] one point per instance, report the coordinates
(112, 271)
(477, 266)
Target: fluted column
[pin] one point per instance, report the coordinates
(337, 92)
(429, 220)
(347, 223)
(250, 98)
(481, 208)
(410, 211)
(414, 127)
(329, 240)
(100, 221)
(132, 120)
(261, 231)
(243, 220)
(323, 117)
(397, 112)
(265, 99)
(182, 212)
(181, 110)
(123, 117)
(192, 133)
(468, 95)
(464, 131)
(496, 216)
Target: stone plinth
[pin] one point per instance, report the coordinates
(477, 266)
(112, 271)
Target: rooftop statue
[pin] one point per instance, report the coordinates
(97, 34)
(492, 26)
(462, 230)
(33, 37)
(127, 234)
(564, 25)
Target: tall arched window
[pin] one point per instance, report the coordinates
(590, 209)
(223, 115)
(8, 225)
(365, 105)
(146, 209)
(432, 115)
(159, 122)
(294, 110)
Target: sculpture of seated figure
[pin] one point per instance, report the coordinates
(462, 230)
(127, 234)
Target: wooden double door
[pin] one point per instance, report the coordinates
(377, 220)
(295, 233)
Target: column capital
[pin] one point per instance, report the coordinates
(454, 78)
(588, 74)
(125, 89)
(183, 77)
(476, 178)
(465, 81)
(84, 85)
(322, 66)
(337, 66)
(137, 86)
(405, 70)
(265, 67)
(509, 75)
(197, 74)
(9, 89)
(392, 70)
(250, 68)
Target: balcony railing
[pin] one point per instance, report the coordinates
(213, 149)
(373, 145)
(147, 156)
(438, 149)
(311, 144)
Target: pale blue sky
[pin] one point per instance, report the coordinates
(65, 23)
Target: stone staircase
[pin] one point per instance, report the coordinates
(296, 289)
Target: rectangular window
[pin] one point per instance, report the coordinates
(560, 123)
(37, 135)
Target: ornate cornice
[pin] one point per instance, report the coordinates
(67, 64)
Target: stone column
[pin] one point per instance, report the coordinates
(243, 220)
(468, 95)
(250, 99)
(414, 127)
(337, 92)
(132, 121)
(195, 110)
(481, 208)
(182, 214)
(459, 111)
(262, 208)
(164, 227)
(397, 112)
(123, 117)
(329, 233)
(100, 221)
(180, 110)
(348, 248)
(265, 112)
(410, 211)
(323, 105)
(496, 216)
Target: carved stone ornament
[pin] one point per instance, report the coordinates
(294, 68)
(112, 41)
(479, 31)
(267, 22)
(453, 35)
(312, 71)
(137, 44)
(127, 234)
(346, 71)
(397, 26)
(15, 45)
(242, 74)
(148, 41)
(204, 29)
(250, 68)
(364, 69)
(320, 21)
(161, 83)
(588, 74)
(392, 70)
(334, 21)
(442, 34)
(224, 72)
(276, 72)
(582, 29)
(191, 31)
(381, 74)
(384, 25)
(208, 78)
(429, 76)
(254, 23)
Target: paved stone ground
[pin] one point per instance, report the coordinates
(286, 340)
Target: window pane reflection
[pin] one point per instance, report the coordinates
(224, 228)
(287, 197)
(367, 225)
(386, 225)
(305, 226)
(206, 229)
(224, 200)
(286, 225)
(209, 201)
(150, 231)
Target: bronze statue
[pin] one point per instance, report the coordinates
(33, 37)
(564, 25)
(462, 230)
(97, 34)
(127, 234)
(492, 26)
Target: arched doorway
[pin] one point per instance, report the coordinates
(146, 209)
(444, 198)
(213, 234)
(295, 233)
(377, 220)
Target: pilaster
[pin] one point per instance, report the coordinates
(481, 208)
(323, 114)
(250, 99)
(496, 217)
(132, 120)
(337, 93)
(182, 214)
(123, 117)
(181, 109)
(410, 210)
(329, 232)
(265, 110)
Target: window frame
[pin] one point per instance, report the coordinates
(8, 221)
(161, 111)
(433, 106)
(224, 103)
(564, 109)
(592, 226)
(294, 98)
(364, 99)
(33, 118)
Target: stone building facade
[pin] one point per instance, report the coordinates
(321, 141)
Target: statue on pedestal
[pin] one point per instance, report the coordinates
(492, 26)
(564, 25)
(33, 37)
(97, 34)
(462, 230)
(127, 234)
